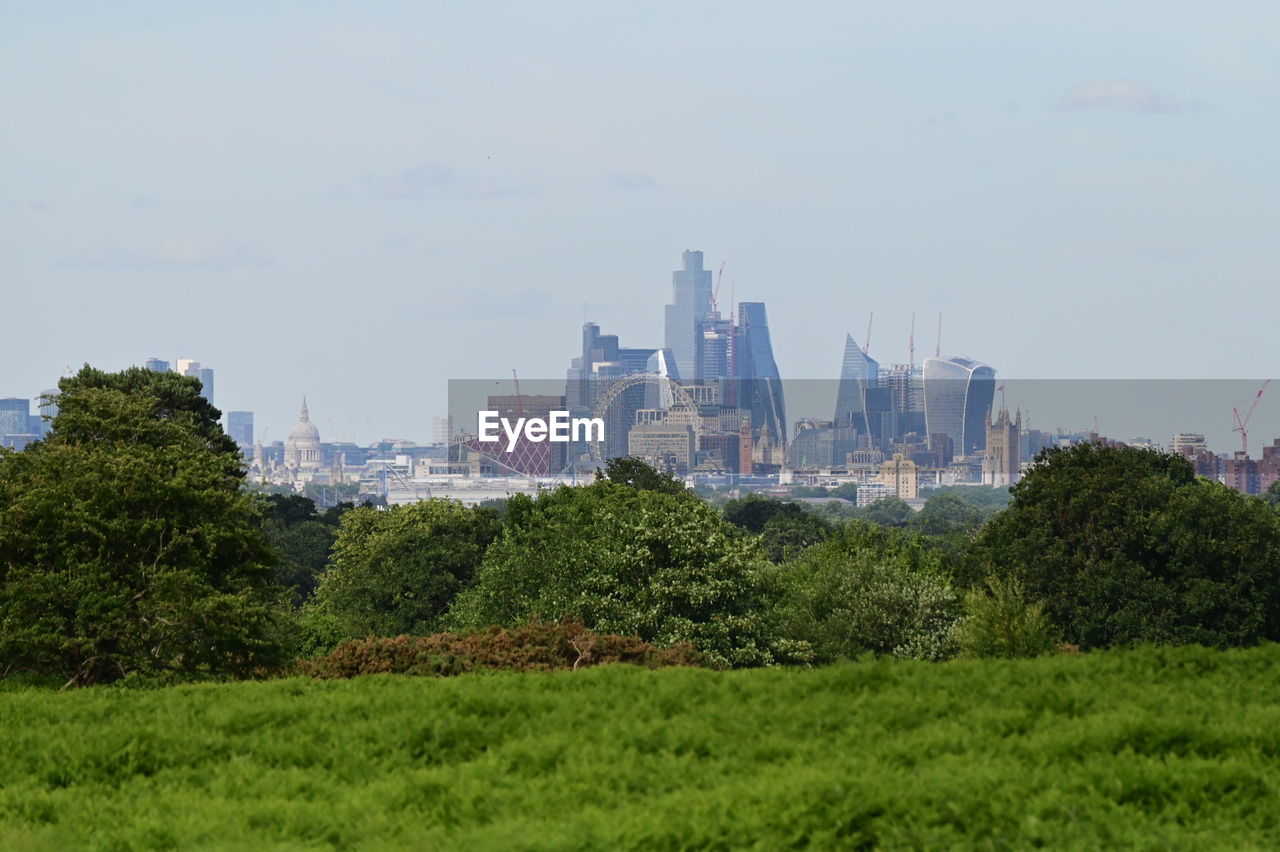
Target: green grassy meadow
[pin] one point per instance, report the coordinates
(1152, 748)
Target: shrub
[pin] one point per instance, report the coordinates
(1001, 623)
(538, 646)
(873, 591)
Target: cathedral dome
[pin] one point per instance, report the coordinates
(302, 451)
(304, 431)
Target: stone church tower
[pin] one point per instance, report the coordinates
(1000, 463)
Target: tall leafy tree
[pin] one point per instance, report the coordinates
(127, 543)
(620, 560)
(397, 571)
(1127, 545)
(170, 397)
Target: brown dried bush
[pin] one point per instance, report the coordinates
(538, 646)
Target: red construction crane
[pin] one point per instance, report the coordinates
(1242, 425)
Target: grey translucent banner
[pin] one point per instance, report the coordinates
(1128, 410)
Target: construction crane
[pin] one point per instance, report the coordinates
(937, 353)
(519, 400)
(716, 292)
(866, 348)
(911, 345)
(1242, 425)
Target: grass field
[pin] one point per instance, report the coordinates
(1154, 748)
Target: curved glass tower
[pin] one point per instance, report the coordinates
(957, 396)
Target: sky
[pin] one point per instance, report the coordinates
(361, 202)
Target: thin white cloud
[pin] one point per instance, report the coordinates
(434, 180)
(193, 251)
(1120, 95)
(630, 180)
(489, 303)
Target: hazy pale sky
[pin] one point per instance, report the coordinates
(359, 202)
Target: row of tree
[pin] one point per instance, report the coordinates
(130, 546)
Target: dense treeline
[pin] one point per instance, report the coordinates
(130, 546)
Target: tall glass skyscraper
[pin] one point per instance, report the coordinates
(859, 373)
(14, 414)
(240, 428)
(685, 317)
(957, 397)
(758, 382)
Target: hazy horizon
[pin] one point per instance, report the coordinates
(360, 204)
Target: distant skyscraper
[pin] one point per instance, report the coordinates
(48, 402)
(727, 368)
(957, 399)
(906, 387)
(859, 373)
(155, 365)
(601, 364)
(758, 388)
(441, 429)
(188, 367)
(14, 414)
(240, 427)
(690, 309)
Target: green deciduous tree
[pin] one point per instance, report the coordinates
(753, 511)
(127, 543)
(1126, 545)
(397, 570)
(303, 537)
(642, 476)
(947, 513)
(788, 533)
(868, 590)
(888, 512)
(634, 562)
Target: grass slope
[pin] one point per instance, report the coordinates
(1151, 748)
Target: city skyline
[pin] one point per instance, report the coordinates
(351, 204)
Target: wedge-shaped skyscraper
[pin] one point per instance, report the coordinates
(757, 373)
(859, 373)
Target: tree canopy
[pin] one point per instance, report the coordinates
(642, 476)
(127, 543)
(1127, 545)
(397, 570)
(644, 563)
